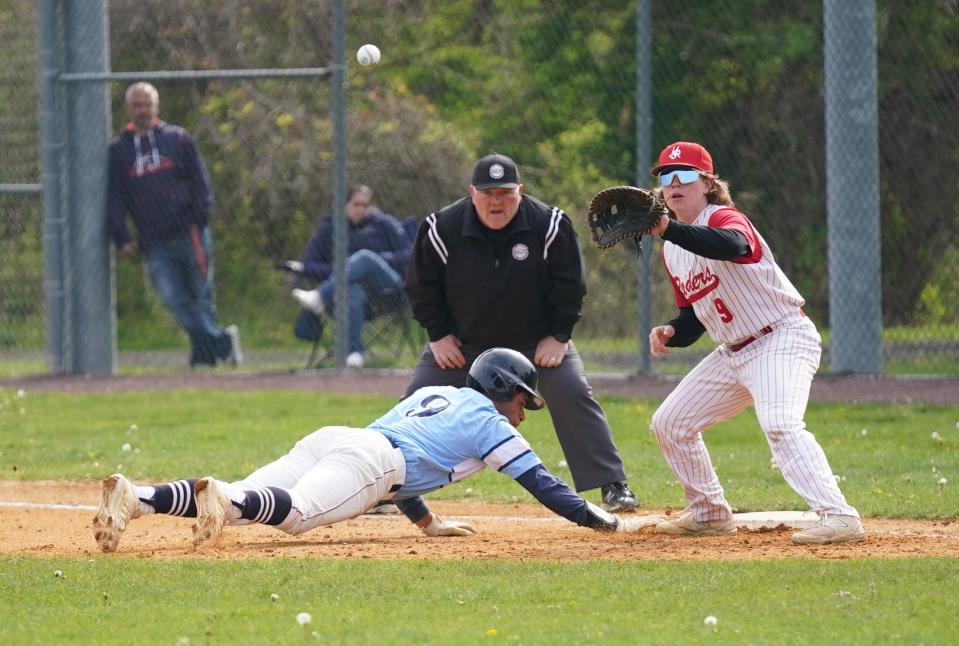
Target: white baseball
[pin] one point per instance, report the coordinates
(710, 621)
(368, 55)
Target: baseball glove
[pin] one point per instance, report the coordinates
(621, 212)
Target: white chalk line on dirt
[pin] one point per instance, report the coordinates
(517, 519)
(45, 505)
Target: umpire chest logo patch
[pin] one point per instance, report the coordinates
(520, 251)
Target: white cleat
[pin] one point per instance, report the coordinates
(309, 299)
(212, 510)
(384, 508)
(235, 358)
(831, 528)
(354, 360)
(118, 506)
(683, 524)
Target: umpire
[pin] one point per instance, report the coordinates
(502, 269)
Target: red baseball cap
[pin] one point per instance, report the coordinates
(684, 153)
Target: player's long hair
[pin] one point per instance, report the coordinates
(719, 191)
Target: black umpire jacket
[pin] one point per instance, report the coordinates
(533, 286)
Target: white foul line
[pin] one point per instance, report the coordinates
(45, 505)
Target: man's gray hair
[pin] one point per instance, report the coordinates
(142, 86)
(360, 188)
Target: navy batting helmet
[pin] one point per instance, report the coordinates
(499, 372)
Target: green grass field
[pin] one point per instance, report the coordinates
(887, 458)
(905, 601)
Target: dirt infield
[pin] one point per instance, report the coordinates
(901, 390)
(507, 531)
(513, 531)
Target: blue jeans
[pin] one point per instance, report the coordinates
(371, 282)
(182, 273)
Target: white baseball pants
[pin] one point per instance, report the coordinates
(333, 474)
(774, 373)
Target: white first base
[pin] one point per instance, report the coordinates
(630, 523)
(771, 519)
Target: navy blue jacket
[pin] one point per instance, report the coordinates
(380, 232)
(165, 189)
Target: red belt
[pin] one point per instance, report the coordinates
(736, 347)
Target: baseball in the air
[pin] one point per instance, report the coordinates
(368, 55)
(710, 621)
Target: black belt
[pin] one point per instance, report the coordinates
(397, 486)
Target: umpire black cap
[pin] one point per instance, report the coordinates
(499, 372)
(495, 171)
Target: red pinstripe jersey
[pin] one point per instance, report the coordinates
(733, 299)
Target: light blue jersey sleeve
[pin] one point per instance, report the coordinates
(447, 434)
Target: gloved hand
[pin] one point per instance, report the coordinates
(440, 527)
(292, 266)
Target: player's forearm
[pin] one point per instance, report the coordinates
(688, 328)
(709, 242)
(559, 498)
(416, 510)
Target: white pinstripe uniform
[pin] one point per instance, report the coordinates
(735, 301)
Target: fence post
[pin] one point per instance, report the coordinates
(340, 287)
(89, 288)
(852, 186)
(644, 145)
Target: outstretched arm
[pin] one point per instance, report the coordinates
(709, 242)
(559, 498)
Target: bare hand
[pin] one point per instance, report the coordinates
(446, 352)
(658, 337)
(660, 227)
(550, 352)
(129, 249)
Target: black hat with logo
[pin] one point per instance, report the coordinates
(495, 171)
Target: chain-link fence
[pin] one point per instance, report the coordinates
(553, 85)
(22, 337)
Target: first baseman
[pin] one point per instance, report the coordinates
(727, 283)
(437, 436)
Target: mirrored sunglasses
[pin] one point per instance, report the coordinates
(685, 176)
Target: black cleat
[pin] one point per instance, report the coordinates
(617, 497)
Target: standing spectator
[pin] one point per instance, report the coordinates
(727, 283)
(378, 249)
(157, 176)
(500, 268)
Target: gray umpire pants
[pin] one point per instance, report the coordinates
(580, 423)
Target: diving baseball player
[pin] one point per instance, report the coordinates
(437, 436)
(726, 283)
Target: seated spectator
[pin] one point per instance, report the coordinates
(378, 249)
